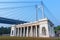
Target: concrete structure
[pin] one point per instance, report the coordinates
(41, 28)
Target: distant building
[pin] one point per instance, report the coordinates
(41, 28)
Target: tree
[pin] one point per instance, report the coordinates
(57, 28)
(4, 30)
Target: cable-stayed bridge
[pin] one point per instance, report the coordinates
(13, 21)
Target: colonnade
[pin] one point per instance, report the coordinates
(42, 29)
(29, 31)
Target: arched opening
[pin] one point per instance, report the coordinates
(43, 31)
(12, 32)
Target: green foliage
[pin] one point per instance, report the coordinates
(57, 28)
(4, 30)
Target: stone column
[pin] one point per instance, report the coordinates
(36, 30)
(31, 32)
(18, 32)
(27, 31)
(12, 32)
(23, 31)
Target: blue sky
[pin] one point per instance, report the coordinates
(28, 13)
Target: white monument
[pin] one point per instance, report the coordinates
(41, 28)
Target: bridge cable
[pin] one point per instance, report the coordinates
(50, 13)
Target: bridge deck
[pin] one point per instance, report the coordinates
(10, 21)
